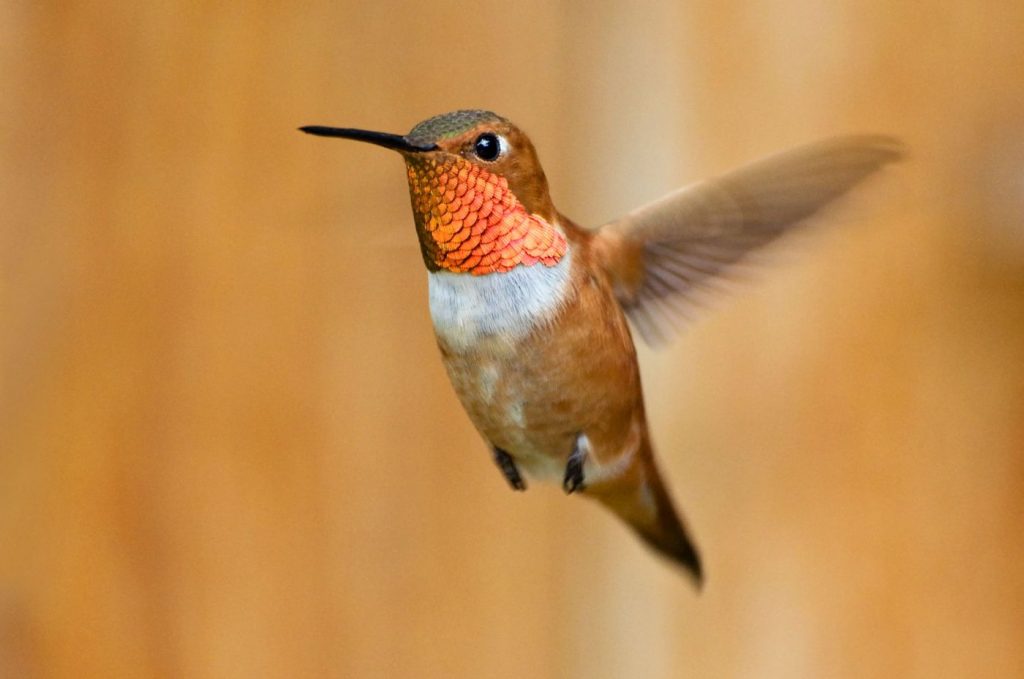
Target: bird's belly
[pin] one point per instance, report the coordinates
(531, 417)
(532, 381)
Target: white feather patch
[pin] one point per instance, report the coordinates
(466, 309)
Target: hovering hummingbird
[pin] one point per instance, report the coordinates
(530, 309)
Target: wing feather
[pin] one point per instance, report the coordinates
(664, 256)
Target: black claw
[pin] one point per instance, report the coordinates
(573, 480)
(508, 467)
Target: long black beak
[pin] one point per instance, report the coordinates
(390, 141)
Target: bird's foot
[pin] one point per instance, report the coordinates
(573, 480)
(508, 467)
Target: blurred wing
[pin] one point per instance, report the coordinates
(661, 257)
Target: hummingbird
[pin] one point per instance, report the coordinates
(530, 309)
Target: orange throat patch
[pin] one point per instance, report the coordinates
(469, 221)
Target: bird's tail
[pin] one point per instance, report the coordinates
(639, 498)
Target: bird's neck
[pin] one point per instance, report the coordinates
(498, 309)
(470, 222)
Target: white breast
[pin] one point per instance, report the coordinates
(504, 306)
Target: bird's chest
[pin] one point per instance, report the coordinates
(496, 312)
(498, 339)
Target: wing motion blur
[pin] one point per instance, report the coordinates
(664, 255)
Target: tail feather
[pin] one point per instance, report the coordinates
(639, 498)
(667, 534)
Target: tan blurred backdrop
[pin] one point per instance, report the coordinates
(228, 447)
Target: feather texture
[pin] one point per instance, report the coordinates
(661, 258)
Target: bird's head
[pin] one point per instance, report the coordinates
(479, 195)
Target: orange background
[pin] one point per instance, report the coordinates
(228, 447)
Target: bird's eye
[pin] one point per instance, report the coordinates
(487, 146)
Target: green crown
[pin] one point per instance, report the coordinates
(449, 125)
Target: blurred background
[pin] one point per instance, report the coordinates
(227, 444)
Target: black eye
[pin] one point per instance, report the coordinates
(487, 146)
